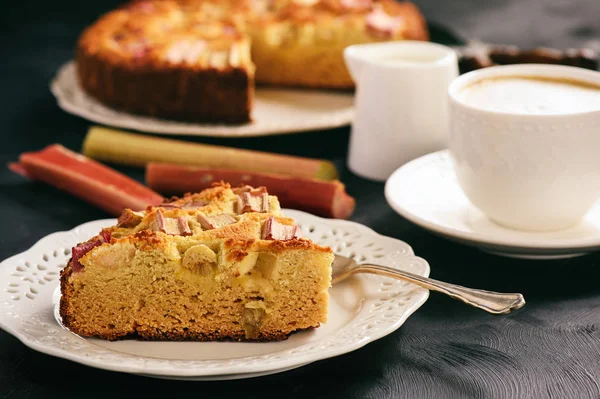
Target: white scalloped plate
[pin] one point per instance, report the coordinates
(276, 111)
(362, 309)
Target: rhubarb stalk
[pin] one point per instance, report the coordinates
(138, 150)
(87, 179)
(324, 198)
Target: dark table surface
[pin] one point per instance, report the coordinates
(551, 348)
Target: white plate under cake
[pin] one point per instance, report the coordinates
(360, 310)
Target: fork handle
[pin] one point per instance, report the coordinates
(492, 302)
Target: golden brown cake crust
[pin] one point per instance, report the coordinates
(178, 93)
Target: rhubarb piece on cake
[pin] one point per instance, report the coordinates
(196, 268)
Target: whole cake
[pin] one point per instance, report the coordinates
(220, 264)
(198, 60)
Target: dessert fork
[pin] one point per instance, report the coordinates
(492, 302)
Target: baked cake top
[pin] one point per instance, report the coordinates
(210, 209)
(235, 221)
(212, 33)
(168, 33)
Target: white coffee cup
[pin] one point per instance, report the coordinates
(537, 172)
(401, 106)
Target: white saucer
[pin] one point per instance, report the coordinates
(275, 111)
(426, 192)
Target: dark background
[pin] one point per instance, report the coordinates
(551, 348)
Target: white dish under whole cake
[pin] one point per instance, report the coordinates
(276, 111)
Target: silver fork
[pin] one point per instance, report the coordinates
(492, 302)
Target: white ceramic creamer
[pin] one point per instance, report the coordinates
(401, 104)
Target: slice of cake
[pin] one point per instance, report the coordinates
(168, 60)
(221, 264)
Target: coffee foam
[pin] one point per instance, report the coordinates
(532, 95)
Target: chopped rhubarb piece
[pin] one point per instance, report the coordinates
(251, 201)
(140, 51)
(204, 222)
(159, 222)
(184, 227)
(133, 149)
(250, 189)
(87, 179)
(170, 206)
(273, 230)
(143, 6)
(105, 236)
(214, 222)
(356, 4)
(323, 198)
(195, 204)
(229, 30)
(383, 24)
(130, 218)
(79, 251)
(171, 226)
